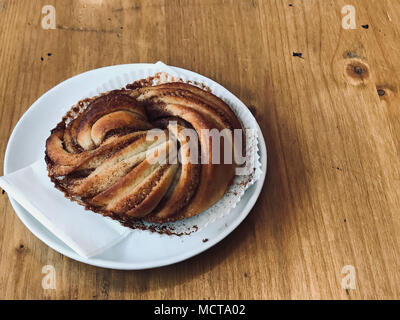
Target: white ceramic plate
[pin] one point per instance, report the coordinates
(141, 249)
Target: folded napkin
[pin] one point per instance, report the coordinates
(87, 233)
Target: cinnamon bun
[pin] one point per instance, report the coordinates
(141, 153)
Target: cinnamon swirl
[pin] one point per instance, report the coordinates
(142, 153)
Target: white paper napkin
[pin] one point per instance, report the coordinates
(87, 233)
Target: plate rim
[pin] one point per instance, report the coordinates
(117, 265)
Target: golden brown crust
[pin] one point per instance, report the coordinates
(186, 181)
(100, 154)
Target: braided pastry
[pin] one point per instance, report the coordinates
(101, 155)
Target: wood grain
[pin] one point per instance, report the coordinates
(332, 194)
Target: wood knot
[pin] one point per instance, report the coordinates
(385, 92)
(350, 54)
(20, 249)
(357, 72)
(381, 92)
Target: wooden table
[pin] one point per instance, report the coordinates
(326, 98)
